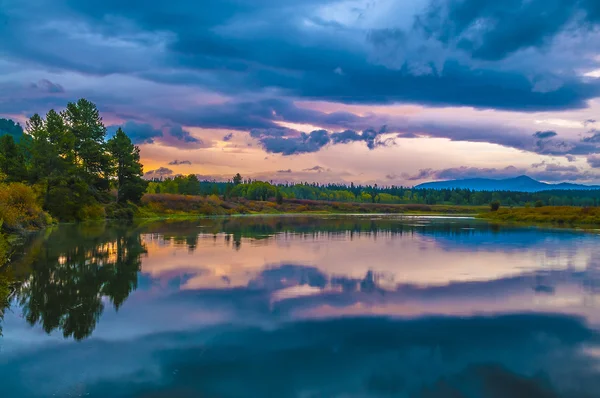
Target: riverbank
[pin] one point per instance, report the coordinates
(169, 205)
(561, 216)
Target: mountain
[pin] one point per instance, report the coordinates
(521, 183)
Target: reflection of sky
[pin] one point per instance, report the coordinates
(290, 278)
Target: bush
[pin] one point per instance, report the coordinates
(495, 205)
(19, 208)
(91, 212)
(538, 203)
(120, 212)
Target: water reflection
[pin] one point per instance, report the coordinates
(73, 271)
(304, 307)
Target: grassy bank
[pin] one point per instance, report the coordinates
(563, 216)
(173, 206)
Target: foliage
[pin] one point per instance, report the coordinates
(342, 193)
(12, 160)
(126, 156)
(495, 205)
(79, 270)
(555, 215)
(19, 209)
(65, 157)
(11, 128)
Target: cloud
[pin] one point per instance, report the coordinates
(158, 173)
(477, 27)
(304, 143)
(228, 137)
(594, 138)
(47, 86)
(317, 168)
(139, 133)
(542, 135)
(179, 162)
(182, 135)
(285, 171)
(291, 142)
(594, 161)
(250, 116)
(588, 122)
(434, 58)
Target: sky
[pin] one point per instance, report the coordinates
(393, 92)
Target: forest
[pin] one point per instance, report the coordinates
(64, 166)
(238, 187)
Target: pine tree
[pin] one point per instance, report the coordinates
(130, 184)
(12, 160)
(84, 121)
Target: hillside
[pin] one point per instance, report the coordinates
(521, 184)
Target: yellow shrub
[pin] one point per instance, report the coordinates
(214, 200)
(19, 208)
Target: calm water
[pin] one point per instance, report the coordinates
(304, 307)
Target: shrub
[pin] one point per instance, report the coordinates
(495, 205)
(120, 212)
(538, 203)
(19, 208)
(91, 212)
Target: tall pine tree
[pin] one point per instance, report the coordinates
(84, 121)
(126, 156)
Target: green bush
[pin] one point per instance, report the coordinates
(120, 212)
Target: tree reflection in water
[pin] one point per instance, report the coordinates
(73, 271)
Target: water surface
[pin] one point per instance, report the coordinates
(363, 306)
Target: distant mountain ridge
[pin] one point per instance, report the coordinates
(519, 184)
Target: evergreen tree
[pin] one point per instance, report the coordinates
(237, 179)
(12, 160)
(130, 184)
(89, 133)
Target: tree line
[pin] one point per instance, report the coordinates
(66, 158)
(238, 187)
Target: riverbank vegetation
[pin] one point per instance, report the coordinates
(238, 187)
(161, 205)
(563, 216)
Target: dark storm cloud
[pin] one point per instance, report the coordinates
(214, 45)
(228, 137)
(481, 27)
(261, 57)
(139, 133)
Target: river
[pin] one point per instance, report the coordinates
(303, 306)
